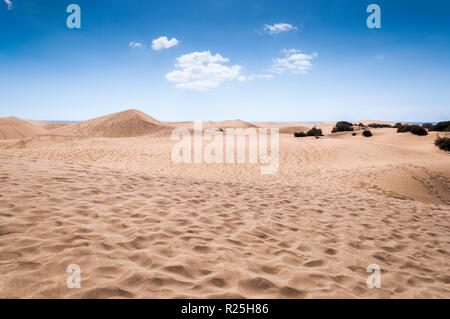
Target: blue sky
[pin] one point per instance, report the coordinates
(254, 60)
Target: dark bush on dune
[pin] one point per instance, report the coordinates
(299, 134)
(428, 126)
(342, 127)
(443, 143)
(397, 125)
(314, 132)
(376, 125)
(414, 129)
(403, 129)
(354, 134)
(418, 130)
(367, 133)
(441, 127)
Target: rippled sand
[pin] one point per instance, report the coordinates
(140, 226)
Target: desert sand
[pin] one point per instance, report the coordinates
(105, 195)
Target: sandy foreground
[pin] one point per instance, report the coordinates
(105, 195)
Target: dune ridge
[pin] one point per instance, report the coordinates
(15, 128)
(128, 123)
(48, 126)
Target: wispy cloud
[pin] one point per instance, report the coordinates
(9, 3)
(278, 28)
(136, 45)
(163, 43)
(255, 76)
(201, 71)
(293, 61)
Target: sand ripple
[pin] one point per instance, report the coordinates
(153, 236)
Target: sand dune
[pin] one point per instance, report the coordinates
(291, 128)
(230, 124)
(15, 128)
(140, 235)
(140, 226)
(212, 124)
(48, 126)
(367, 122)
(128, 123)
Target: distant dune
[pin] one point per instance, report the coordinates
(48, 126)
(367, 122)
(230, 124)
(128, 123)
(15, 128)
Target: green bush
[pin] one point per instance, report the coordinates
(428, 126)
(314, 132)
(367, 133)
(300, 134)
(441, 127)
(414, 129)
(375, 125)
(443, 143)
(342, 127)
(418, 130)
(403, 129)
(354, 134)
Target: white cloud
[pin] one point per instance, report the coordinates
(255, 76)
(9, 3)
(279, 27)
(163, 43)
(201, 71)
(294, 61)
(136, 45)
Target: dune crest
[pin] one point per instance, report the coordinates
(229, 124)
(48, 126)
(129, 123)
(14, 128)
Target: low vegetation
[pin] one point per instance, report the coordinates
(428, 126)
(414, 129)
(376, 125)
(342, 126)
(314, 132)
(441, 127)
(443, 143)
(367, 133)
(299, 134)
